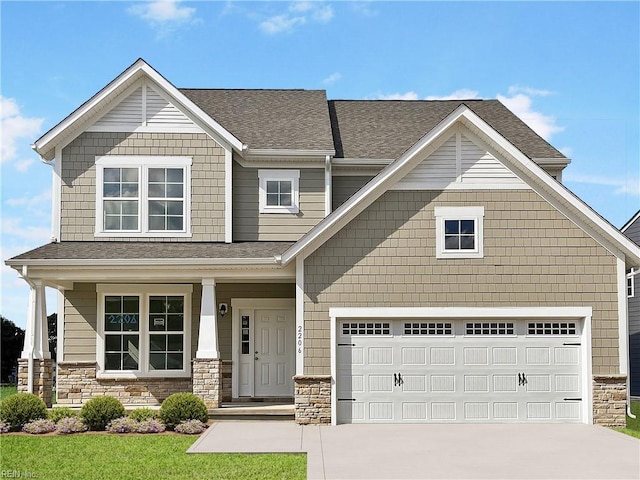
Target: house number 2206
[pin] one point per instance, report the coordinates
(299, 338)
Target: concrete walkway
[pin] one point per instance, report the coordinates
(436, 451)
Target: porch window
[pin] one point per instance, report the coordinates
(143, 196)
(144, 330)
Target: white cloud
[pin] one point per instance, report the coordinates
(23, 164)
(399, 96)
(162, 11)
(364, 8)
(13, 227)
(333, 78)
(628, 185)
(38, 201)
(14, 128)
(521, 105)
(532, 92)
(461, 94)
(299, 13)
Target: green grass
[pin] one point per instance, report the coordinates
(7, 391)
(152, 457)
(633, 424)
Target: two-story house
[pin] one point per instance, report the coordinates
(371, 261)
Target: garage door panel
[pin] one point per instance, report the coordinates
(406, 375)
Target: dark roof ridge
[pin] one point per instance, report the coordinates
(253, 89)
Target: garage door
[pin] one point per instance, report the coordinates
(412, 371)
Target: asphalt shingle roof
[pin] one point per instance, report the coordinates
(153, 250)
(387, 128)
(289, 119)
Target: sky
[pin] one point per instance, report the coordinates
(571, 70)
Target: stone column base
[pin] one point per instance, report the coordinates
(610, 400)
(42, 378)
(312, 399)
(207, 380)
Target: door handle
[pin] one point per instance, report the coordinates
(400, 380)
(522, 379)
(255, 358)
(395, 380)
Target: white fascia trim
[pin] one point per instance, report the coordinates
(284, 152)
(361, 162)
(153, 262)
(460, 312)
(552, 162)
(228, 196)
(130, 75)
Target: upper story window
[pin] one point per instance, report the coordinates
(631, 287)
(143, 196)
(279, 191)
(459, 232)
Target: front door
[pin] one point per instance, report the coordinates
(265, 352)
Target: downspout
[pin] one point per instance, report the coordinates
(629, 414)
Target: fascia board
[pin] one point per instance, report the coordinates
(557, 190)
(369, 193)
(130, 75)
(626, 226)
(284, 152)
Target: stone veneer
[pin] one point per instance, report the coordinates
(312, 399)
(207, 380)
(42, 378)
(609, 400)
(77, 383)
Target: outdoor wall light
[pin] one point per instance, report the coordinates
(222, 309)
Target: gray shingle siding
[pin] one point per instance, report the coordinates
(632, 230)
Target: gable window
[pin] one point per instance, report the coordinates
(144, 330)
(279, 191)
(142, 196)
(459, 232)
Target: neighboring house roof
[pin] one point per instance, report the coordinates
(270, 119)
(543, 184)
(631, 221)
(632, 228)
(144, 252)
(387, 128)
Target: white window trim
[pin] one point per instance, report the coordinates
(631, 282)
(144, 292)
(460, 213)
(293, 176)
(142, 163)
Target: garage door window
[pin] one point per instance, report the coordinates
(366, 328)
(431, 328)
(490, 328)
(552, 328)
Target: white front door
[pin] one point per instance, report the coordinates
(264, 345)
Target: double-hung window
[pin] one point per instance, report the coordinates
(279, 191)
(459, 232)
(144, 330)
(143, 196)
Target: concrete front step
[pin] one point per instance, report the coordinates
(253, 411)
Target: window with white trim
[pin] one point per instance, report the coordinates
(631, 287)
(143, 196)
(459, 232)
(279, 191)
(144, 330)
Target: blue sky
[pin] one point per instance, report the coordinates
(570, 70)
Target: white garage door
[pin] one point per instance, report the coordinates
(412, 371)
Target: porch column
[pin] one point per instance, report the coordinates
(35, 367)
(207, 366)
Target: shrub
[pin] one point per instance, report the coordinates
(37, 427)
(57, 414)
(191, 427)
(21, 408)
(179, 407)
(68, 425)
(99, 411)
(4, 427)
(122, 425)
(153, 425)
(141, 414)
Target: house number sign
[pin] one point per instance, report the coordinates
(299, 338)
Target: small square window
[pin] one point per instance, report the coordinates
(459, 232)
(279, 191)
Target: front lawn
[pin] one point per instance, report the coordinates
(104, 456)
(7, 391)
(633, 424)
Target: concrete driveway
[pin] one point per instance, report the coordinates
(436, 451)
